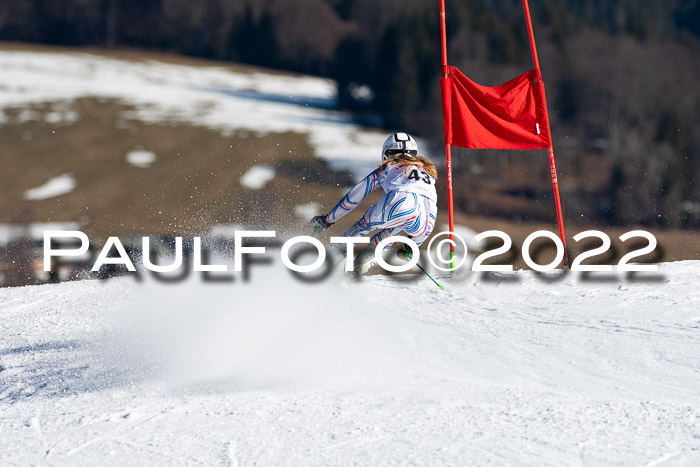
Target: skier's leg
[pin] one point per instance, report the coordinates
(359, 229)
(370, 220)
(367, 259)
(413, 214)
(382, 234)
(420, 229)
(399, 211)
(392, 214)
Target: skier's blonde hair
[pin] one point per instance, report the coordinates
(409, 160)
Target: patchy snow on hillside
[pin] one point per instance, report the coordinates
(307, 210)
(512, 368)
(141, 158)
(257, 176)
(57, 186)
(35, 231)
(214, 97)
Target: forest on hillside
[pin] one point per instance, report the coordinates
(621, 79)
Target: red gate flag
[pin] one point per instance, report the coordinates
(510, 116)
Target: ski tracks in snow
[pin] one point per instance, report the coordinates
(517, 370)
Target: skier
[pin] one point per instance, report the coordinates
(409, 204)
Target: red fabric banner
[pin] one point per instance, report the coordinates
(510, 116)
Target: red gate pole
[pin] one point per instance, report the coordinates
(448, 148)
(552, 166)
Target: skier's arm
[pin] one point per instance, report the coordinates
(354, 197)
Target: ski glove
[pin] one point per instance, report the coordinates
(404, 252)
(320, 222)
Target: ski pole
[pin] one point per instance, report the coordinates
(442, 287)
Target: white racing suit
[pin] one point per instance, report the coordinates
(409, 204)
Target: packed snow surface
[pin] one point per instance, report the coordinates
(515, 368)
(214, 97)
(57, 186)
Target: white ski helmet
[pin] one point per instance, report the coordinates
(399, 143)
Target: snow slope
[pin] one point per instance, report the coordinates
(57, 186)
(516, 369)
